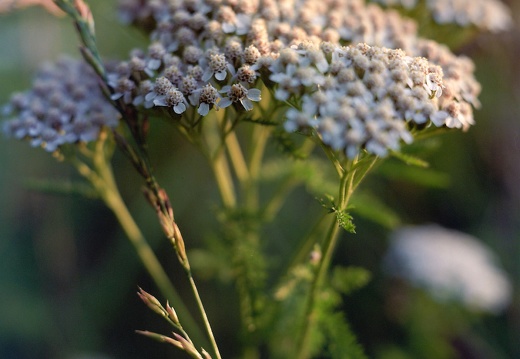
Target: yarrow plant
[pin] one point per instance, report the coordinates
(342, 84)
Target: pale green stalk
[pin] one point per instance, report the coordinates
(82, 16)
(246, 176)
(219, 163)
(204, 317)
(102, 178)
(259, 138)
(237, 158)
(233, 148)
(220, 167)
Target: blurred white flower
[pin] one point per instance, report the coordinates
(65, 105)
(450, 265)
(491, 15)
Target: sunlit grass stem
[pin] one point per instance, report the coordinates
(102, 179)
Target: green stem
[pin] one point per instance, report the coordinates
(204, 316)
(244, 238)
(353, 173)
(214, 149)
(259, 139)
(310, 315)
(102, 178)
(329, 244)
(237, 158)
(220, 168)
(305, 247)
(107, 187)
(362, 171)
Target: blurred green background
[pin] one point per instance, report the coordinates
(68, 276)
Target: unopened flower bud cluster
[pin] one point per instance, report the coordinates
(211, 54)
(490, 15)
(64, 106)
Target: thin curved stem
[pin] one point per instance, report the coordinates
(305, 247)
(204, 316)
(104, 181)
(102, 178)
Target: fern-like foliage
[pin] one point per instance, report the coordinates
(331, 337)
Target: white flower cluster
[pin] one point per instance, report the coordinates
(450, 265)
(65, 105)
(490, 15)
(212, 53)
(208, 54)
(365, 97)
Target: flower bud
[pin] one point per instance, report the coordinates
(172, 314)
(178, 243)
(152, 302)
(205, 354)
(160, 338)
(187, 346)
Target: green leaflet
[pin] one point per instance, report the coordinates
(409, 159)
(418, 175)
(341, 343)
(349, 279)
(345, 221)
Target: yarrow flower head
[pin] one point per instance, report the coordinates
(332, 63)
(366, 97)
(450, 265)
(64, 106)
